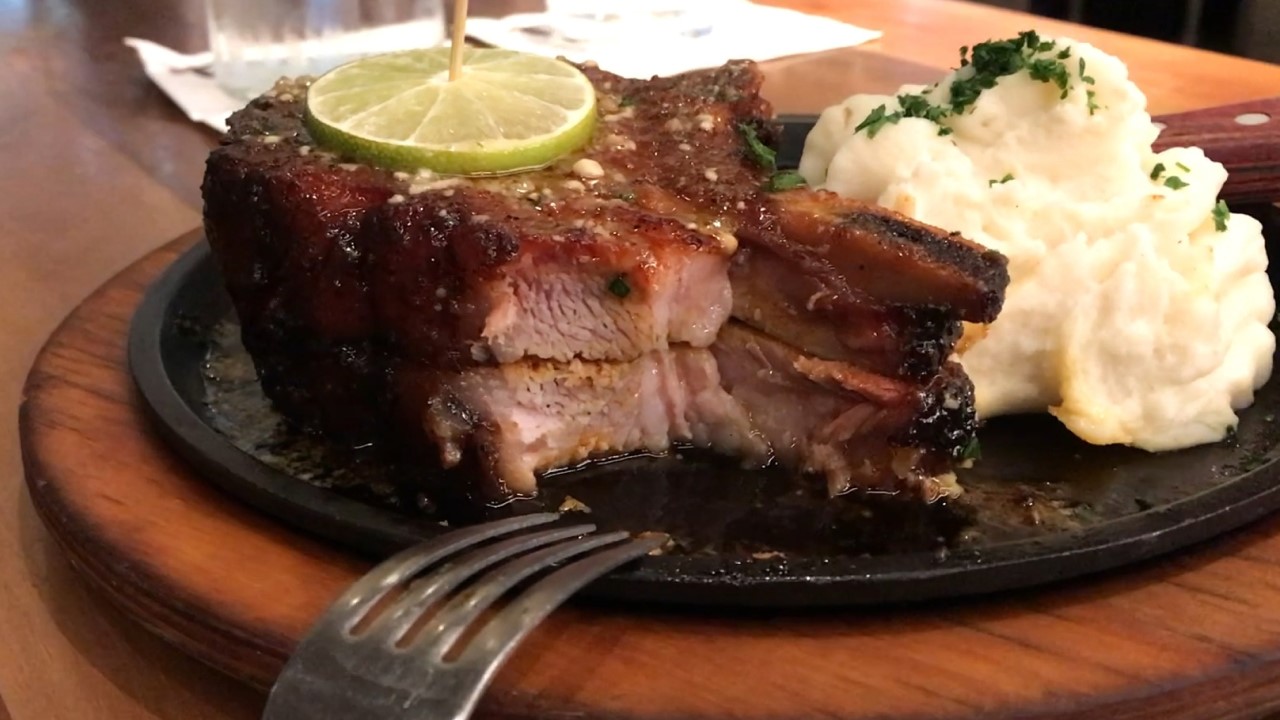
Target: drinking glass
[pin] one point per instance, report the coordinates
(256, 42)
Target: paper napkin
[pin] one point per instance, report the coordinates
(716, 31)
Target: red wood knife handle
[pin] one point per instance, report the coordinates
(1245, 138)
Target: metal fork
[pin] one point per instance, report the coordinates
(356, 664)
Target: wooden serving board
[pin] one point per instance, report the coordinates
(1194, 636)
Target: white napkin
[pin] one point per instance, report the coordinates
(733, 29)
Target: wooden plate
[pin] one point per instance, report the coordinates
(1192, 636)
(1042, 506)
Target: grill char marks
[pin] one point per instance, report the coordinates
(518, 324)
(891, 258)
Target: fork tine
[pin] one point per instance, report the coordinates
(351, 607)
(454, 618)
(408, 609)
(502, 634)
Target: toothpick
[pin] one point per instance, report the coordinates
(459, 38)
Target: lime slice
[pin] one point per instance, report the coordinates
(506, 112)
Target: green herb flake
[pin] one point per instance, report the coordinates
(785, 180)
(1048, 70)
(1182, 167)
(944, 131)
(618, 286)
(876, 120)
(626, 101)
(1220, 215)
(764, 155)
(1173, 182)
(1083, 77)
(1066, 53)
(918, 106)
(1007, 177)
(1092, 98)
(627, 196)
(972, 450)
(1157, 171)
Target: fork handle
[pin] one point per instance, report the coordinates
(1244, 137)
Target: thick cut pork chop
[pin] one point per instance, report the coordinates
(523, 323)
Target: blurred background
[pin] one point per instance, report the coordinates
(1250, 28)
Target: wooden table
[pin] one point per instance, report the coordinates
(100, 169)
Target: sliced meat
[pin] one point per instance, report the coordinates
(887, 256)
(855, 428)
(584, 278)
(819, 314)
(519, 419)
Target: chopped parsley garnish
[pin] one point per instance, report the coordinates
(918, 106)
(626, 101)
(995, 59)
(627, 196)
(911, 106)
(1174, 182)
(785, 180)
(876, 120)
(1050, 70)
(972, 450)
(1083, 77)
(1220, 215)
(986, 63)
(1157, 171)
(767, 158)
(1007, 177)
(1182, 167)
(764, 155)
(618, 286)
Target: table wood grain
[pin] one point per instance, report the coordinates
(101, 169)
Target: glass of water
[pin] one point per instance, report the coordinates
(256, 42)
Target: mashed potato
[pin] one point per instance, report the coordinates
(1138, 307)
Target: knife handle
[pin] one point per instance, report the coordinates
(1244, 137)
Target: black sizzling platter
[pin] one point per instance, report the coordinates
(1041, 506)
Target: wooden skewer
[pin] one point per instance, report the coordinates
(459, 38)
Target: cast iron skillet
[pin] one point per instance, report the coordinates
(1041, 506)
